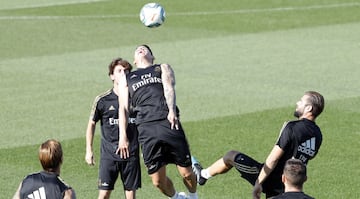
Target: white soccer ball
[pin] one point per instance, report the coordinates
(152, 15)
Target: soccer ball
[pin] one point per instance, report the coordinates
(152, 15)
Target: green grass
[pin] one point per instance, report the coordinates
(240, 67)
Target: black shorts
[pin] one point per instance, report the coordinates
(162, 145)
(250, 170)
(129, 171)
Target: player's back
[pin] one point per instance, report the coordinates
(43, 185)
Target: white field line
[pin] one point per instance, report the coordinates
(244, 11)
(39, 5)
(280, 9)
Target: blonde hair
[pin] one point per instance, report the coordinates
(50, 155)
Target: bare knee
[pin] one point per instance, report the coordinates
(158, 182)
(159, 178)
(104, 194)
(229, 157)
(161, 182)
(186, 172)
(130, 194)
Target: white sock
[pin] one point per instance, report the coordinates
(193, 195)
(205, 173)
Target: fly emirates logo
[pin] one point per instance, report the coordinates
(113, 121)
(145, 80)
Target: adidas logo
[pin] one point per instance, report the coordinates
(308, 147)
(111, 108)
(151, 166)
(38, 194)
(104, 184)
(133, 76)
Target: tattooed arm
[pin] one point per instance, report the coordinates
(168, 81)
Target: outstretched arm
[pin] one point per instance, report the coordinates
(123, 148)
(168, 81)
(270, 164)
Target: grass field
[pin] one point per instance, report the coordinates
(240, 67)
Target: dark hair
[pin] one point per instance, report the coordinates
(119, 61)
(295, 172)
(146, 46)
(317, 102)
(50, 155)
